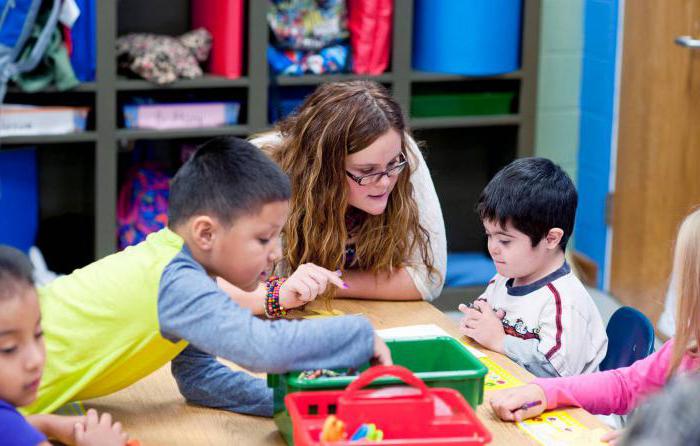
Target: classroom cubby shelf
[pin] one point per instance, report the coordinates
(131, 134)
(254, 89)
(206, 81)
(49, 139)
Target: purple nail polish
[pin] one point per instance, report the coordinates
(345, 285)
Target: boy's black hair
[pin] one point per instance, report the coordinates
(226, 177)
(15, 270)
(534, 195)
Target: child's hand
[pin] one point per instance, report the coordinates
(307, 282)
(57, 427)
(382, 354)
(483, 325)
(506, 404)
(99, 431)
(62, 427)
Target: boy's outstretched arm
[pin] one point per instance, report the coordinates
(192, 307)
(204, 381)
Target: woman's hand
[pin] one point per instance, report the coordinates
(307, 282)
(512, 404)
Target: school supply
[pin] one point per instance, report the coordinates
(333, 429)
(528, 405)
(19, 120)
(422, 331)
(224, 20)
(438, 361)
(557, 428)
(325, 373)
(142, 207)
(418, 416)
(181, 115)
(497, 377)
(17, 19)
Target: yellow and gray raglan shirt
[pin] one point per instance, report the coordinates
(121, 318)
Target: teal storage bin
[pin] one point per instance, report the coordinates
(439, 362)
(469, 37)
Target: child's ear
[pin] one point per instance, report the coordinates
(553, 237)
(203, 232)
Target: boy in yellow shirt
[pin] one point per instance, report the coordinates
(121, 318)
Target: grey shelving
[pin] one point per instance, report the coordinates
(255, 86)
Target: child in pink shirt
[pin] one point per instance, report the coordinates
(621, 390)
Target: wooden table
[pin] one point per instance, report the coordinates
(154, 412)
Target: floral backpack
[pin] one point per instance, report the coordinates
(143, 203)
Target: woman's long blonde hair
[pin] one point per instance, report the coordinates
(338, 119)
(686, 269)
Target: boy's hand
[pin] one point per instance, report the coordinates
(506, 404)
(99, 431)
(307, 282)
(483, 325)
(382, 354)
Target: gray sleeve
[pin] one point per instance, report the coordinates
(205, 381)
(524, 352)
(192, 307)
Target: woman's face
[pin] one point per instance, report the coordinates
(383, 154)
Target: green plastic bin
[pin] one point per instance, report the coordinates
(461, 104)
(439, 362)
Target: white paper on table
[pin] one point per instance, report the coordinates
(422, 331)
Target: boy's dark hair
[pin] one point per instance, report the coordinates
(226, 178)
(15, 271)
(534, 195)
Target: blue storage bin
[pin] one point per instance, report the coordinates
(468, 269)
(19, 206)
(284, 101)
(469, 37)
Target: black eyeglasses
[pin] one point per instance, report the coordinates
(374, 178)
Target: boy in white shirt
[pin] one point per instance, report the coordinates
(534, 310)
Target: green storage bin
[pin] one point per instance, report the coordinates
(439, 362)
(461, 104)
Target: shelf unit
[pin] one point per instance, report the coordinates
(106, 135)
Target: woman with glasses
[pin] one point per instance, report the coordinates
(363, 203)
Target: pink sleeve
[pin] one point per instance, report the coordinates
(613, 391)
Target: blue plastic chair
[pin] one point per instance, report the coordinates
(630, 338)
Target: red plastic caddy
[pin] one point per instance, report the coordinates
(422, 416)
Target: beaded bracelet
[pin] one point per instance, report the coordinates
(273, 309)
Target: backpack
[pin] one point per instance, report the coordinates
(17, 18)
(142, 207)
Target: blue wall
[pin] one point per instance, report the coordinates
(596, 127)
